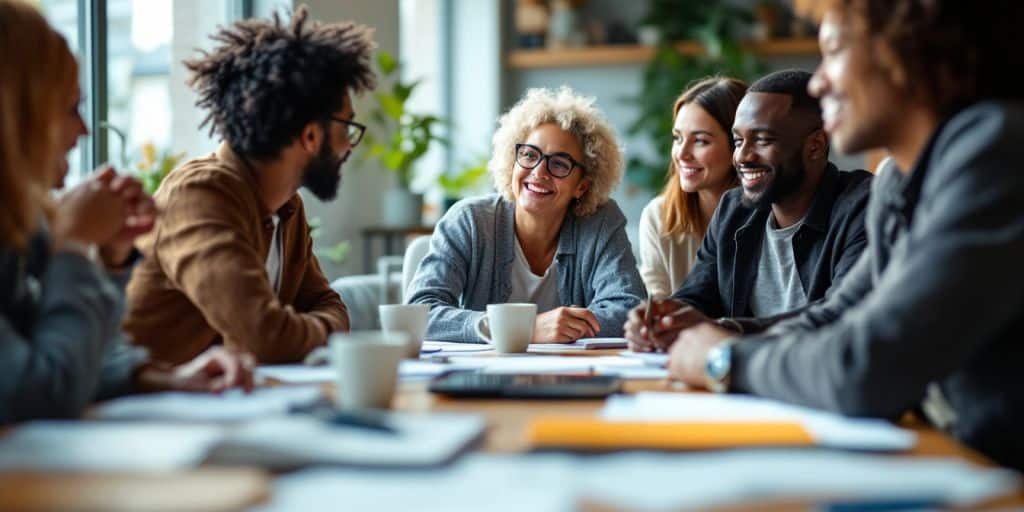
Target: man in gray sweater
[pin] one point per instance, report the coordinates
(931, 316)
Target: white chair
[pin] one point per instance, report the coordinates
(414, 254)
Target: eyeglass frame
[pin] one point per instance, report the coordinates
(547, 159)
(359, 126)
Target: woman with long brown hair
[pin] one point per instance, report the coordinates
(60, 312)
(673, 223)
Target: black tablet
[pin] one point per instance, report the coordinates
(470, 383)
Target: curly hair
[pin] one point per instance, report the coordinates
(602, 154)
(950, 52)
(267, 80)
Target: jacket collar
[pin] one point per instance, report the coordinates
(506, 231)
(240, 166)
(820, 213)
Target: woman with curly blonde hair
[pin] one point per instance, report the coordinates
(551, 236)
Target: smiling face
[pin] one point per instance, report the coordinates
(857, 100)
(769, 148)
(700, 150)
(538, 192)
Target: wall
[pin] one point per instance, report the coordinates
(363, 182)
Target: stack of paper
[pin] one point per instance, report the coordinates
(285, 442)
(233, 405)
(106, 446)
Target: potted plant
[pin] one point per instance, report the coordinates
(399, 138)
(456, 184)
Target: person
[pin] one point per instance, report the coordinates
(60, 345)
(231, 260)
(780, 241)
(930, 317)
(673, 224)
(551, 236)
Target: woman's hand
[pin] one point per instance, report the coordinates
(213, 371)
(89, 213)
(565, 325)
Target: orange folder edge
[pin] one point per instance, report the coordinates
(599, 434)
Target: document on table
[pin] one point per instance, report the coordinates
(448, 347)
(555, 482)
(826, 429)
(580, 344)
(299, 440)
(106, 446)
(657, 359)
(408, 369)
(528, 363)
(232, 405)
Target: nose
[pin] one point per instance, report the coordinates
(684, 152)
(818, 85)
(743, 154)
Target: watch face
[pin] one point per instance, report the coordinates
(718, 362)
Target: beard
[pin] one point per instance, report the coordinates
(323, 174)
(786, 179)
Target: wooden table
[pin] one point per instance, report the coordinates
(232, 488)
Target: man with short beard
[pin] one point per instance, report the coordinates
(779, 241)
(231, 259)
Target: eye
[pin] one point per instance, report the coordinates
(702, 142)
(764, 141)
(676, 139)
(560, 165)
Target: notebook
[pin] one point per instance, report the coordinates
(580, 344)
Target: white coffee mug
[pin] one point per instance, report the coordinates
(366, 367)
(510, 326)
(408, 318)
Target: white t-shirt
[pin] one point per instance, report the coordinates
(664, 261)
(274, 256)
(531, 288)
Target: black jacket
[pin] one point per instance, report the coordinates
(825, 247)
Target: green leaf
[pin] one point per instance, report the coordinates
(391, 105)
(387, 62)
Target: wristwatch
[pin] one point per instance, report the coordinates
(718, 367)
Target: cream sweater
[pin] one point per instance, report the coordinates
(664, 261)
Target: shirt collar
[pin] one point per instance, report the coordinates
(241, 167)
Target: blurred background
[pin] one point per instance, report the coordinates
(449, 68)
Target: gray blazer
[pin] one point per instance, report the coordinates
(472, 250)
(937, 298)
(60, 341)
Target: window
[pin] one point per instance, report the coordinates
(138, 95)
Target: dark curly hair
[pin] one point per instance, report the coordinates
(267, 80)
(951, 52)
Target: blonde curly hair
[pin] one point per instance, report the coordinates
(576, 114)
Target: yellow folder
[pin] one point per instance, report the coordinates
(585, 433)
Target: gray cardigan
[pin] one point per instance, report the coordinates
(472, 250)
(60, 341)
(937, 298)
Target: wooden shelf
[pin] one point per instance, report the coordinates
(635, 54)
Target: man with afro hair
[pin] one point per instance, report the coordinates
(231, 259)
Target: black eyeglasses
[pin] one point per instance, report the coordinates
(353, 130)
(560, 165)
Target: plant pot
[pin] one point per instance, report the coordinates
(402, 208)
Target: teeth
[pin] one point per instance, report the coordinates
(534, 188)
(752, 175)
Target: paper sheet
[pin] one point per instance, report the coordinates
(282, 442)
(453, 347)
(580, 344)
(658, 359)
(639, 480)
(232, 405)
(408, 369)
(106, 446)
(828, 429)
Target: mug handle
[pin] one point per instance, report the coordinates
(479, 331)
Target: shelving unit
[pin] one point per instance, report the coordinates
(610, 55)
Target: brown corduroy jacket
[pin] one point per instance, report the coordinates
(204, 281)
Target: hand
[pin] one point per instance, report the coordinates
(213, 371)
(690, 352)
(140, 220)
(89, 213)
(669, 317)
(565, 325)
